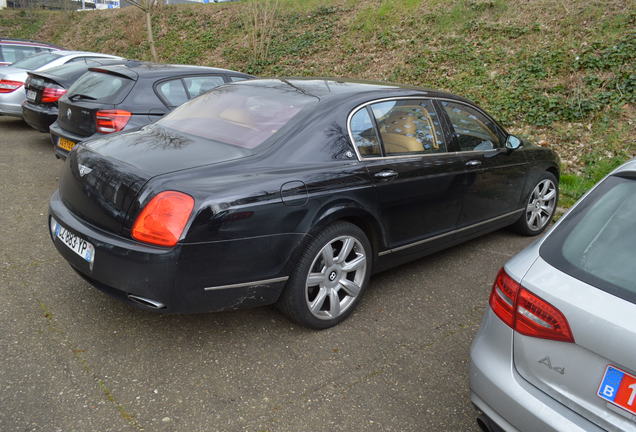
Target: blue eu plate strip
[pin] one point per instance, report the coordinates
(609, 386)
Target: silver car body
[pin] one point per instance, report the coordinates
(11, 103)
(525, 383)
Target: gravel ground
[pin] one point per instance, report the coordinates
(73, 359)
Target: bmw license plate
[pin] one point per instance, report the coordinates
(31, 94)
(73, 241)
(65, 144)
(619, 388)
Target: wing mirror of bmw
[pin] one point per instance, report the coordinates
(513, 143)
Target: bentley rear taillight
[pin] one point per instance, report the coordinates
(163, 219)
(527, 313)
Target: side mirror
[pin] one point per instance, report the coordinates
(513, 143)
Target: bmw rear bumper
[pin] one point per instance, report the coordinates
(504, 396)
(188, 278)
(57, 132)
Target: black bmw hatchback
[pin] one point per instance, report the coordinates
(291, 192)
(110, 99)
(45, 88)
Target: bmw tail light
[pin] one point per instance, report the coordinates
(52, 93)
(527, 313)
(163, 219)
(7, 86)
(109, 121)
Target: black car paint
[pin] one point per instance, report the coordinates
(253, 214)
(41, 115)
(140, 98)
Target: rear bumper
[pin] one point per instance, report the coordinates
(184, 279)
(39, 117)
(11, 103)
(504, 396)
(57, 132)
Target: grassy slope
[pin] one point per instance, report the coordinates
(560, 72)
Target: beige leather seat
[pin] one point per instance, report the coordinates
(393, 132)
(237, 116)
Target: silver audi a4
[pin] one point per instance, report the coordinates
(556, 350)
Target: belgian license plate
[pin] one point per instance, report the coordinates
(65, 144)
(619, 387)
(31, 95)
(73, 241)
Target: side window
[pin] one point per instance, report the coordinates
(364, 136)
(173, 92)
(472, 129)
(201, 84)
(236, 78)
(409, 127)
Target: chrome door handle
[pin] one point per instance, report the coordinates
(386, 174)
(473, 163)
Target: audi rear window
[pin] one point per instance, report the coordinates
(241, 115)
(102, 87)
(36, 61)
(596, 243)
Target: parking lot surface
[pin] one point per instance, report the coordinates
(73, 359)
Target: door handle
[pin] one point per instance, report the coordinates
(386, 174)
(473, 163)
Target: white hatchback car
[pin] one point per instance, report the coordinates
(12, 77)
(556, 350)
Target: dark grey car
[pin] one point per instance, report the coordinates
(124, 97)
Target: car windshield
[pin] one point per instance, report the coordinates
(242, 115)
(596, 242)
(36, 61)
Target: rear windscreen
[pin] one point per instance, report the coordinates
(71, 68)
(240, 115)
(36, 61)
(103, 87)
(596, 243)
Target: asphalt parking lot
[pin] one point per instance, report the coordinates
(73, 359)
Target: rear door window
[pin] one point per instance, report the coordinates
(409, 127)
(596, 243)
(202, 84)
(172, 92)
(104, 87)
(473, 130)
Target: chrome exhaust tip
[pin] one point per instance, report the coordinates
(154, 304)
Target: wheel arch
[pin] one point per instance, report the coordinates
(352, 213)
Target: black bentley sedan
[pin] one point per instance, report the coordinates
(291, 192)
(109, 99)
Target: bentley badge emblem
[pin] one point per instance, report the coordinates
(83, 170)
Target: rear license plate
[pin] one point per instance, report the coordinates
(65, 144)
(31, 94)
(619, 388)
(73, 241)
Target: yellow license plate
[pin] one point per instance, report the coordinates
(65, 144)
